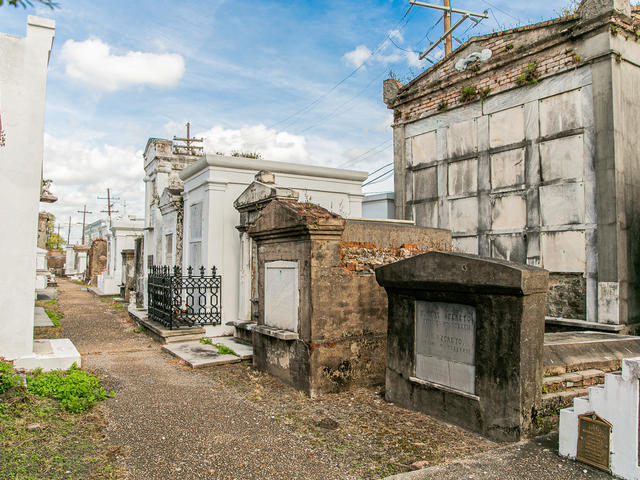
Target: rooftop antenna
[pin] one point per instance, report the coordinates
(188, 147)
(448, 29)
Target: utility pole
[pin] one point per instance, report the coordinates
(448, 29)
(84, 220)
(108, 198)
(69, 232)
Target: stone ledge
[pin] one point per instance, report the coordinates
(570, 322)
(41, 319)
(276, 332)
(242, 325)
(444, 388)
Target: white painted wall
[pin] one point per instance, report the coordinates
(216, 181)
(23, 77)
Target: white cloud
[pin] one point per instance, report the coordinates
(358, 56)
(395, 34)
(82, 172)
(413, 59)
(271, 144)
(386, 54)
(92, 62)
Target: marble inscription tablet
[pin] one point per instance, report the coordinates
(281, 295)
(446, 344)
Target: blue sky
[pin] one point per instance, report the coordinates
(124, 71)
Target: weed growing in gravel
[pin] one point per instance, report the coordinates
(76, 390)
(222, 349)
(55, 316)
(8, 378)
(139, 329)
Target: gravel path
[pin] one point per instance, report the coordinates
(531, 460)
(174, 423)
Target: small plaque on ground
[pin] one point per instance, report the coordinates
(594, 434)
(446, 344)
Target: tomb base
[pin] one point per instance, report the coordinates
(50, 354)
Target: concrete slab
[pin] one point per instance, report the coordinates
(576, 351)
(40, 318)
(244, 351)
(197, 355)
(96, 291)
(48, 293)
(50, 354)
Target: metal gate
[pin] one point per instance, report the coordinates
(177, 300)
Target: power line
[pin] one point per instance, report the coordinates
(503, 11)
(339, 110)
(324, 95)
(352, 160)
(384, 166)
(378, 178)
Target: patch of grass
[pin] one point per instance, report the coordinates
(120, 307)
(76, 390)
(53, 301)
(139, 329)
(508, 46)
(55, 316)
(41, 439)
(222, 349)
(8, 378)
(57, 445)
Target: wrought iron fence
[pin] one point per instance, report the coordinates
(177, 300)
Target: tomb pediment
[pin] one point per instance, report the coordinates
(169, 197)
(259, 192)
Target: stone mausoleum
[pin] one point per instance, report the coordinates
(524, 144)
(465, 340)
(23, 80)
(321, 317)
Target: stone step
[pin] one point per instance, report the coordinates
(566, 352)
(554, 401)
(572, 380)
(162, 334)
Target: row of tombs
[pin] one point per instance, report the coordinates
(343, 302)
